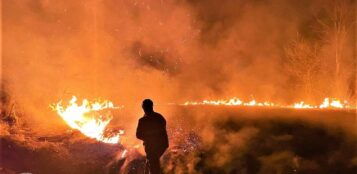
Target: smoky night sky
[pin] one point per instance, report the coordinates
(176, 50)
(173, 51)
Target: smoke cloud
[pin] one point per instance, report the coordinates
(170, 51)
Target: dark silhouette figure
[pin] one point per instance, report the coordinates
(152, 130)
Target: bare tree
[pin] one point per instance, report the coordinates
(336, 32)
(303, 63)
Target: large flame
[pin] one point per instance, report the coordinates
(90, 118)
(328, 103)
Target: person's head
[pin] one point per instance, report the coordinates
(148, 106)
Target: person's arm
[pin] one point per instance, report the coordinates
(166, 143)
(140, 131)
(162, 139)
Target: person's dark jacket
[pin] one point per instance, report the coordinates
(152, 130)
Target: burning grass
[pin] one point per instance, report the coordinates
(327, 103)
(90, 118)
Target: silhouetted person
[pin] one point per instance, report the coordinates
(152, 130)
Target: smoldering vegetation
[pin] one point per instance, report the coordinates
(251, 140)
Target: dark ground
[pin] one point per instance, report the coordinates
(204, 139)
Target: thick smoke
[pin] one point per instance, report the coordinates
(171, 51)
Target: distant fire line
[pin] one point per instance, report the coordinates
(327, 103)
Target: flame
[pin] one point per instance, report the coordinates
(230, 102)
(89, 118)
(302, 105)
(332, 102)
(328, 103)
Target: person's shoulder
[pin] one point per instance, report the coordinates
(159, 115)
(142, 118)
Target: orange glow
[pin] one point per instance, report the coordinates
(90, 118)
